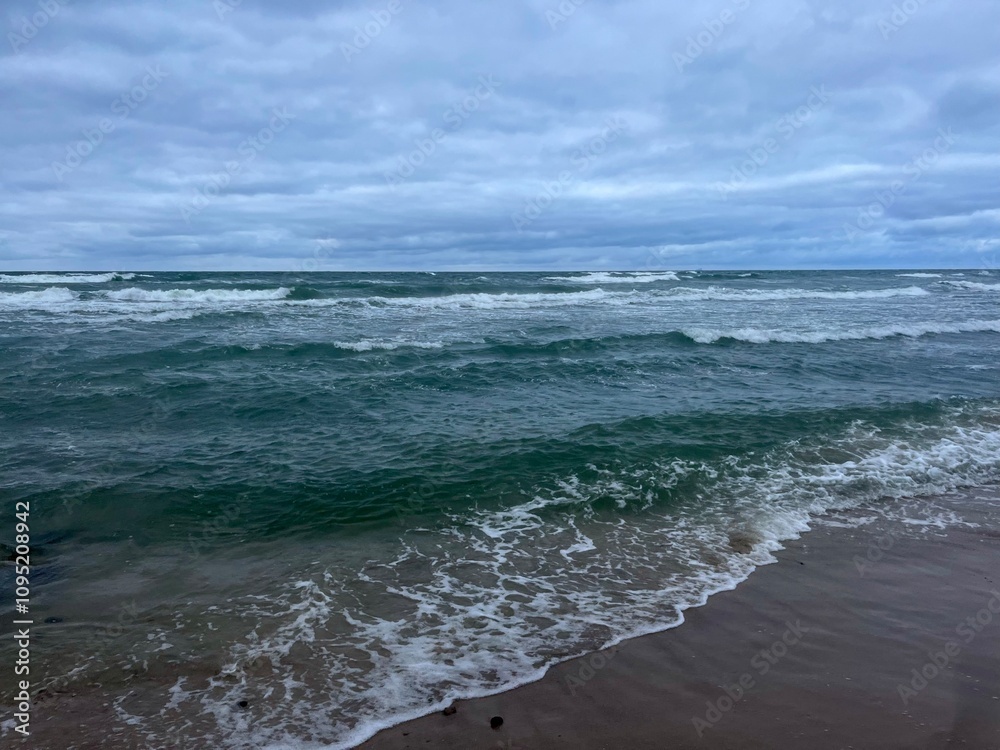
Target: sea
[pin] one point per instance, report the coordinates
(287, 510)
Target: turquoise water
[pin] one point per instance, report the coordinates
(350, 498)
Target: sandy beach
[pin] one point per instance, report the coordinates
(816, 651)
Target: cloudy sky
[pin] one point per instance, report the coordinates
(448, 134)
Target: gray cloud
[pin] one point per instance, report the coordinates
(393, 156)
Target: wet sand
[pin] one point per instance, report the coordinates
(817, 651)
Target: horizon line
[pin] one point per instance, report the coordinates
(675, 269)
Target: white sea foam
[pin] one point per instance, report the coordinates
(507, 300)
(210, 296)
(618, 277)
(774, 295)
(116, 301)
(368, 345)
(914, 330)
(919, 275)
(139, 305)
(64, 278)
(484, 301)
(973, 286)
(43, 297)
(165, 316)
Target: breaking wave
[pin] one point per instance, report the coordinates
(914, 330)
(133, 294)
(618, 277)
(67, 278)
(51, 295)
(973, 286)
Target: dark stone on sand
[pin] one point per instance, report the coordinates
(244, 704)
(452, 709)
(496, 722)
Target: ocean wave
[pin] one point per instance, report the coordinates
(369, 345)
(774, 295)
(308, 297)
(135, 294)
(919, 275)
(505, 300)
(59, 278)
(55, 295)
(618, 277)
(167, 316)
(972, 285)
(513, 300)
(123, 304)
(913, 330)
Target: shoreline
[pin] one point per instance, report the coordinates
(815, 646)
(820, 647)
